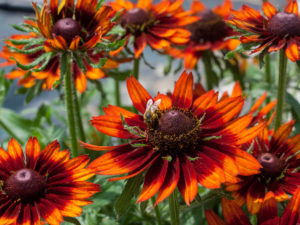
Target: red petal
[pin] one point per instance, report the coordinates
(212, 218)
(33, 151)
(233, 214)
(16, 153)
(170, 182)
(269, 9)
(255, 197)
(292, 7)
(183, 91)
(139, 45)
(292, 51)
(291, 214)
(138, 94)
(154, 179)
(187, 184)
(49, 212)
(268, 214)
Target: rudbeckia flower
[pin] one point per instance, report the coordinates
(43, 184)
(59, 28)
(208, 33)
(179, 141)
(271, 32)
(157, 25)
(278, 176)
(233, 214)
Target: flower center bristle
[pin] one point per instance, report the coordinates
(284, 24)
(271, 164)
(211, 27)
(67, 28)
(174, 131)
(25, 184)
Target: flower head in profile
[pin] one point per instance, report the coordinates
(233, 214)
(58, 29)
(271, 32)
(179, 141)
(207, 33)
(278, 176)
(43, 184)
(157, 25)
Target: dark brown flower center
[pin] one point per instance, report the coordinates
(135, 16)
(25, 184)
(67, 28)
(284, 24)
(211, 27)
(174, 131)
(271, 164)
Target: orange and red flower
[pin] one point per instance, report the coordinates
(42, 184)
(278, 176)
(233, 214)
(57, 29)
(208, 33)
(275, 31)
(180, 141)
(158, 25)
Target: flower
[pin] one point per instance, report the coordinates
(42, 184)
(233, 214)
(278, 176)
(275, 31)
(208, 33)
(180, 141)
(157, 25)
(56, 30)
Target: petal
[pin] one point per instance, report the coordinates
(187, 183)
(269, 9)
(138, 94)
(183, 91)
(209, 173)
(139, 45)
(291, 214)
(80, 79)
(154, 179)
(212, 218)
(233, 214)
(33, 151)
(170, 182)
(255, 197)
(16, 153)
(268, 214)
(49, 212)
(292, 7)
(292, 51)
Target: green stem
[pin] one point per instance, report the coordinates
(282, 79)
(208, 70)
(117, 92)
(157, 212)
(70, 105)
(11, 133)
(174, 209)
(136, 67)
(78, 118)
(268, 73)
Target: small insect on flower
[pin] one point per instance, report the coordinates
(150, 109)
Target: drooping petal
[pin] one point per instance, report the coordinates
(268, 214)
(154, 179)
(233, 214)
(291, 214)
(213, 219)
(255, 197)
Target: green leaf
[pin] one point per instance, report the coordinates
(26, 41)
(168, 67)
(25, 51)
(100, 64)
(4, 86)
(20, 28)
(45, 63)
(239, 49)
(131, 189)
(80, 62)
(34, 63)
(110, 46)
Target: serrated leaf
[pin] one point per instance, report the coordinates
(34, 63)
(25, 41)
(110, 46)
(131, 189)
(45, 63)
(25, 51)
(80, 62)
